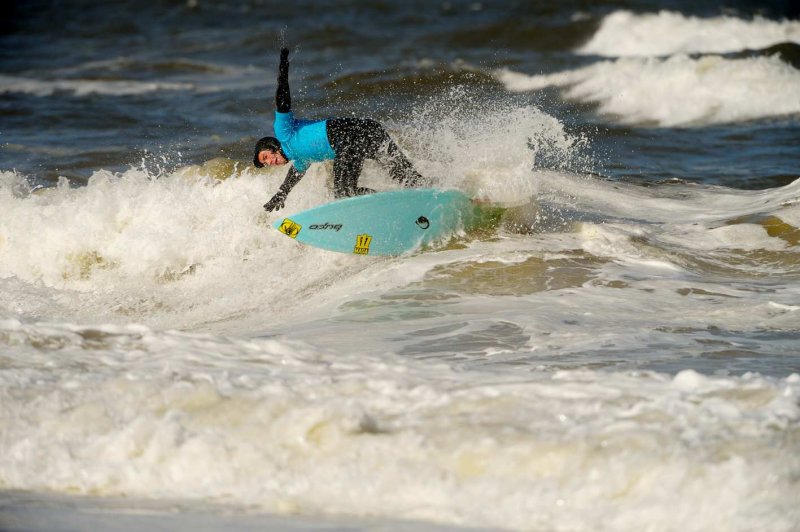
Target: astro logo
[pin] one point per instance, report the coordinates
(289, 228)
(362, 244)
(326, 225)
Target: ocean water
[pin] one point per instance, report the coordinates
(621, 353)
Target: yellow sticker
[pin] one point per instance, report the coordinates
(362, 244)
(289, 228)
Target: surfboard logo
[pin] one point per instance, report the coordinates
(326, 225)
(423, 223)
(362, 244)
(289, 228)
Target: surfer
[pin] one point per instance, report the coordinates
(348, 141)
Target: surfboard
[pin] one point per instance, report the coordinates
(384, 223)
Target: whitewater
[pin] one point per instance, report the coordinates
(187, 369)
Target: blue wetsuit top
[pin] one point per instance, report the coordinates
(303, 141)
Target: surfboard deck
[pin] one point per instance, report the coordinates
(384, 223)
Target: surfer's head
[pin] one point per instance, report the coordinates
(268, 152)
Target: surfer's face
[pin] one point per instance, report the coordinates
(271, 158)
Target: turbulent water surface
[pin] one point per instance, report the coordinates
(621, 353)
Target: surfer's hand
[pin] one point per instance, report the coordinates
(276, 203)
(284, 67)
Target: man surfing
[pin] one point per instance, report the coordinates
(348, 141)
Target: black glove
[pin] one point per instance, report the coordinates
(276, 203)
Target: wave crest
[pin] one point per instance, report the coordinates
(676, 91)
(623, 33)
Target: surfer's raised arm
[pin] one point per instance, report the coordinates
(348, 141)
(283, 99)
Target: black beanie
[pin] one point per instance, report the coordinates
(267, 143)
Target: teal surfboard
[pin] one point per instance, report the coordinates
(385, 223)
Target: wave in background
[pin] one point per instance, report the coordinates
(676, 91)
(624, 33)
(671, 88)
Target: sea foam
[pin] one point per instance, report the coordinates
(284, 427)
(676, 91)
(624, 33)
(84, 87)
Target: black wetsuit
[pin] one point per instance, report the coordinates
(353, 140)
(356, 139)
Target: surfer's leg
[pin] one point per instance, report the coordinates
(363, 138)
(353, 140)
(399, 167)
(381, 147)
(346, 169)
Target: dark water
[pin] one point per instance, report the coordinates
(88, 86)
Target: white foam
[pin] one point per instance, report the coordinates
(188, 251)
(127, 245)
(674, 205)
(678, 91)
(13, 184)
(289, 428)
(623, 33)
(788, 308)
(490, 154)
(79, 87)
